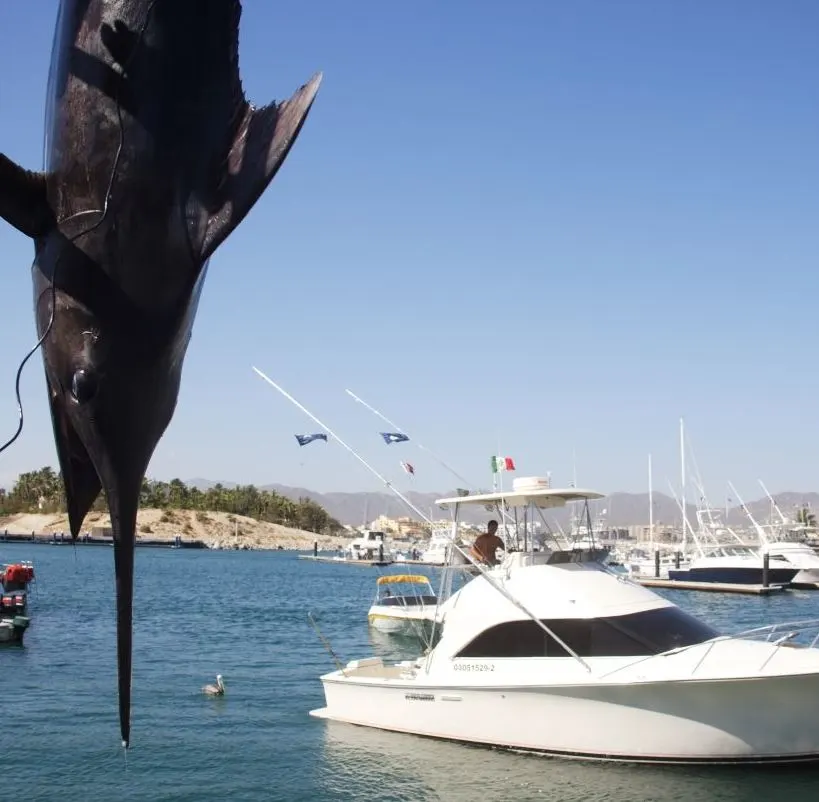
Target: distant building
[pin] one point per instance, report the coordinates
(663, 533)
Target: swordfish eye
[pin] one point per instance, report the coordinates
(83, 385)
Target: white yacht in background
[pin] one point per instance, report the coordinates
(798, 554)
(438, 550)
(722, 556)
(370, 545)
(551, 652)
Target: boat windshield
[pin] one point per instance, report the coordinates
(731, 551)
(636, 635)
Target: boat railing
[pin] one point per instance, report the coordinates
(782, 634)
(793, 628)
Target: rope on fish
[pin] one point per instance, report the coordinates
(103, 215)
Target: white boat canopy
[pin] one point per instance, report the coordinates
(524, 495)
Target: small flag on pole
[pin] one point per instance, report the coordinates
(394, 437)
(502, 464)
(304, 439)
(408, 468)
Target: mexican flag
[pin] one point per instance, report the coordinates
(502, 464)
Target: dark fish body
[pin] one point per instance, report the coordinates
(153, 157)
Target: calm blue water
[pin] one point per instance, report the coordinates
(243, 614)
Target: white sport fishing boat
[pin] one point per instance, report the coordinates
(370, 546)
(775, 542)
(553, 653)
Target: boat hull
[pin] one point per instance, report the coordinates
(740, 575)
(12, 630)
(807, 576)
(392, 625)
(761, 720)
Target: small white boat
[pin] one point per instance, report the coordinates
(405, 604)
(551, 652)
(800, 555)
(13, 629)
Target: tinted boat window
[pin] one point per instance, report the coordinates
(635, 635)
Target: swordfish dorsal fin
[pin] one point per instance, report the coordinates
(261, 143)
(23, 198)
(82, 483)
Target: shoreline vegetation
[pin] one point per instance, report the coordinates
(243, 517)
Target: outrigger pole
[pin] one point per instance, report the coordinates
(399, 429)
(335, 437)
(505, 515)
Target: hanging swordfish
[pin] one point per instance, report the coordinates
(153, 157)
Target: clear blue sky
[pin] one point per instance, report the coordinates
(555, 226)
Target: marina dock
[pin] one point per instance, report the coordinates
(710, 587)
(318, 558)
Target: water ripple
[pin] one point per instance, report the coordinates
(244, 615)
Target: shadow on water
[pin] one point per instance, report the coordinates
(389, 766)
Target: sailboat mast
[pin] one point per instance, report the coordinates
(650, 506)
(682, 479)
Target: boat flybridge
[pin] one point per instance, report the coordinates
(551, 652)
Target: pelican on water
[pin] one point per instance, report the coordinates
(215, 690)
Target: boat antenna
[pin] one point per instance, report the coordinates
(399, 429)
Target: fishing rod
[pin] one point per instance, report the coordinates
(482, 571)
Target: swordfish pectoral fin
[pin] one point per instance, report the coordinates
(23, 198)
(260, 146)
(80, 478)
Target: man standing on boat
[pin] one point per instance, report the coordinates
(485, 545)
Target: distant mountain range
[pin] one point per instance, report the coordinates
(622, 509)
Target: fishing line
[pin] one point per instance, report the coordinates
(104, 214)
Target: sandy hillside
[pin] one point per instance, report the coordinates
(217, 529)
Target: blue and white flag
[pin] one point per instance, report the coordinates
(304, 439)
(394, 437)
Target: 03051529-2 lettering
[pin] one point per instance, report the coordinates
(474, 666)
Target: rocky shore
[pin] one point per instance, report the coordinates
(216, 529)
